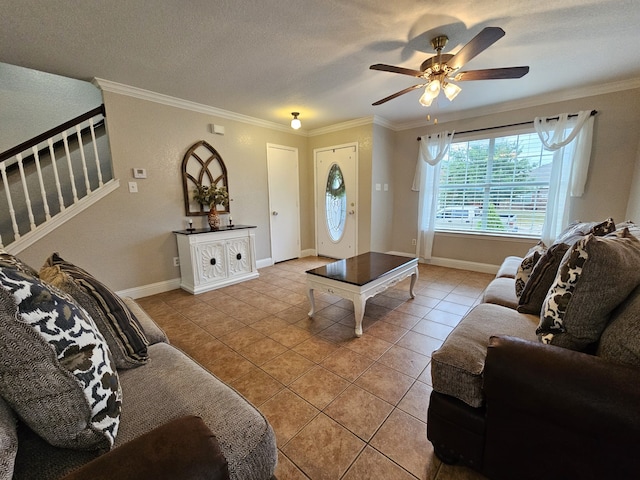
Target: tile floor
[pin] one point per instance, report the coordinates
(342, 407)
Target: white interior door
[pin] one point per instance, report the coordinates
(284, 205)
(336, 201)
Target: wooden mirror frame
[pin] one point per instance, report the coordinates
(189, 182)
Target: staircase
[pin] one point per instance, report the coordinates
(53, 177)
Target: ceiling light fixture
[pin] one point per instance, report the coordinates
(295, 122)
(437, 72)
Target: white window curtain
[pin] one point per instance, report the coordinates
(433, 148)
(570, 137)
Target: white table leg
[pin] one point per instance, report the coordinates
(312, 302)
(414, 277)
(358, 310)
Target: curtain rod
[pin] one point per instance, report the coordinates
(593, 112)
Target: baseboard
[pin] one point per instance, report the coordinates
(310, 252)
(151, 289)
(264, 263)
(463, 265)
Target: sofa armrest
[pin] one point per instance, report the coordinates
(563, 385)
(566, 414)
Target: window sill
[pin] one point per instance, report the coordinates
(488, 236)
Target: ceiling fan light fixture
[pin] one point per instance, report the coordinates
(295, 122)
(451, 90)
(433, 87)
(426, 98)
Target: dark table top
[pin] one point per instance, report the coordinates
(361, 269)
(222, 228)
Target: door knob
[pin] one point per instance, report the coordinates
(274, 213)
(351, 212)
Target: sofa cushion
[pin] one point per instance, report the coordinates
(120, 325)
(182, 449)
(457, 366)
(596, 275)
(541, 279)
(509, 267)
(526, 266)
(501, 291)
(56, 369)
(8, 441)
(620, 341)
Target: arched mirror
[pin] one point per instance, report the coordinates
(203, 166)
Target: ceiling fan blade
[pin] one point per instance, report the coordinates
(397, 94)
(491, 74)
(487, 37)
(390, 68)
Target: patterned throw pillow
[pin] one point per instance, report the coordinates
(596, 276)
(56, 371)
(8, 260)
(526, 267)
(577, 230)
(115, 319)
(541, 279)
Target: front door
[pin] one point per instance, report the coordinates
(336, 201)
(282, 168)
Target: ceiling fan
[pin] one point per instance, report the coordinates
(441, 70)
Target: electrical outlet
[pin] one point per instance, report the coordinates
(413, 241)
(176, 261)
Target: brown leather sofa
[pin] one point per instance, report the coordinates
(550, 413)
(511, 407)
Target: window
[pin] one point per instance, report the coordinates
(496, 185)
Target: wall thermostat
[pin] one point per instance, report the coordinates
(139, 173)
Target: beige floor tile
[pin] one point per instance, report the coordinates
(372, 465)
(387, 331)
(337, 333)
(451, 307)
(454, 472)
(223, 326)
(286, 470)
(401, 319)
(385, 383)
(403, 439)
(416, 401)
(257, 386)
(290, 336)
(359, 411)
(404, 360)
(269, 325)
(230, 367)
(369, 346)
(288, 367)
(414, 309)
(422, 344)
(241, 338)
(292, 314)
(324, 450)
(433, 329)
(315, 349)
(287, 413)
(425, 376)
(319, 386)
(263, 350)
(347, 363)
(450, 319)
(314, 325)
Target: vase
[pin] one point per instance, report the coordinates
(214, 218)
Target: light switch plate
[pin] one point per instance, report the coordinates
(133, 187)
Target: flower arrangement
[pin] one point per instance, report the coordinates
(211, 196)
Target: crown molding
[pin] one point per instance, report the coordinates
(142, 94)
(537, 100)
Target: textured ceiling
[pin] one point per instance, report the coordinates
(267, 58)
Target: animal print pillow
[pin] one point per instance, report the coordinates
(526, 267)
(56, 371)
(596, 275)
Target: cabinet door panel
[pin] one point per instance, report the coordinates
(211, 261)
(239, 255)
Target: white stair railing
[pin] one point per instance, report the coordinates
(32, 177)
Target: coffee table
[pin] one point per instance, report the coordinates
(361, 277)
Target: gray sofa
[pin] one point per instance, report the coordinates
(510, 401)
(166, 386)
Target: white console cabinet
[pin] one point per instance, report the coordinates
(211, 259)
